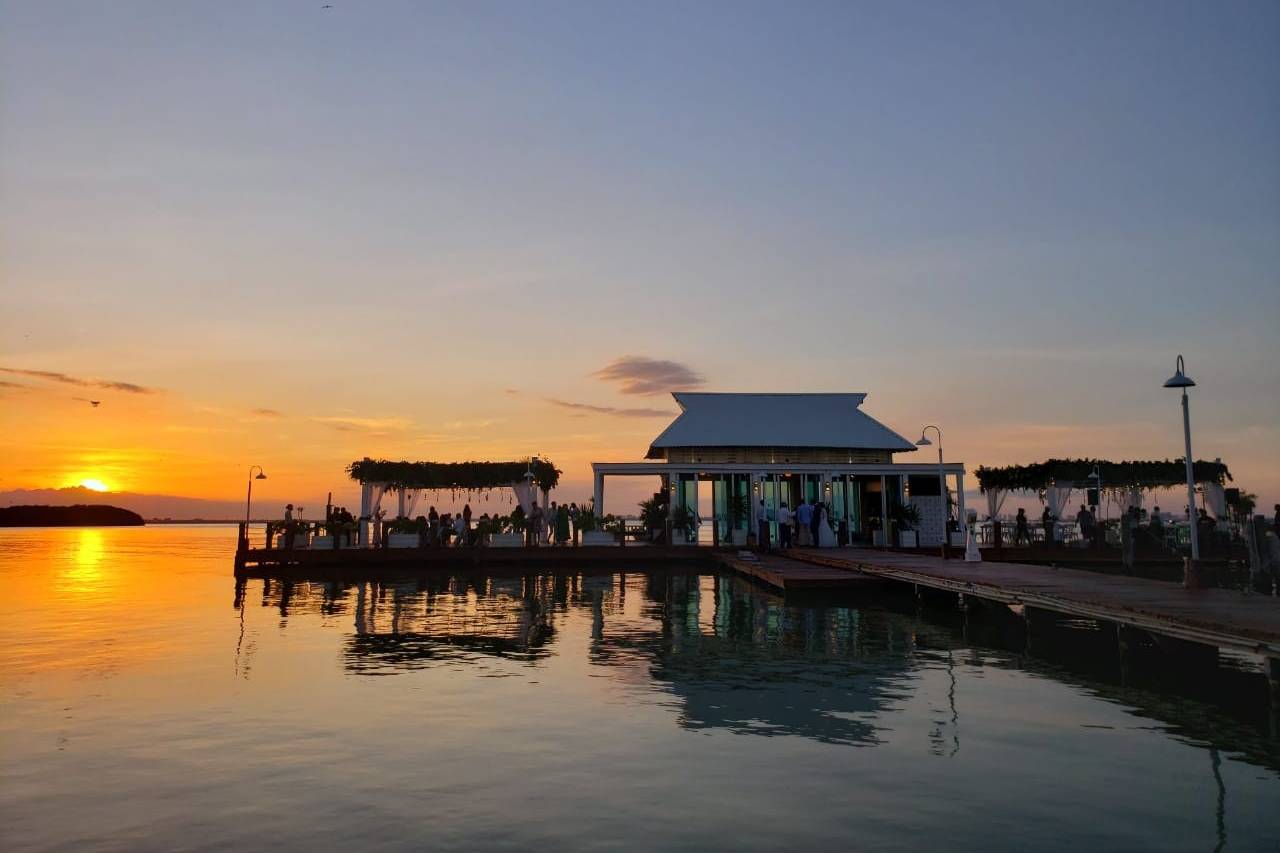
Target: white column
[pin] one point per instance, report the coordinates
(599, 494)
(884, 508)
(964, 520)
(362, 531)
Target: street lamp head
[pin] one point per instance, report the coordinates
(1179, 379)
(924, 441)
(261, 476)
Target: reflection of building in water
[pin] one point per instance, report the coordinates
(737, 658)
(730, 654)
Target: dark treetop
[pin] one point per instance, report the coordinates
(453, 475)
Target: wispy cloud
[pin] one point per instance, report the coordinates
(638, 375)
(583, 408)
(4, 383)
(343, 423)
(80, 381)
(266, 413)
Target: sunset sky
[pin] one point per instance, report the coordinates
(276, 234)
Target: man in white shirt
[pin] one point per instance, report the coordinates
(784, 526)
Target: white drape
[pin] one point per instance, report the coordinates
(414, 495)
(376, 491)
(1056, 497)
(1215, 499)
(995, 501)
(524, 494)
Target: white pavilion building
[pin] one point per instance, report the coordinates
(772, 448)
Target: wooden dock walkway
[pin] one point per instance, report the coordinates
(1219, 617)
(791, 575)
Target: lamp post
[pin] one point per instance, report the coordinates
(1181, 380)
(942, 481)
(1095, 488)
(248, 500)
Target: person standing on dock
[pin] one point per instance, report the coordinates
(562, 525)
(762, 527)
(784, 526)
(1084, 520)
(804, 523)
(1021, 528)
(1046, 518)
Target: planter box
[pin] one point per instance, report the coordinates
(402, 540)
(506, 540)
(908, 539)
(322, 543)
(598, 537)
(736, 537)
(957, 538)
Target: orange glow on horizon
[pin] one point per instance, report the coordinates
(94, 484)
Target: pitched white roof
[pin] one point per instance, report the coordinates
(776, 420)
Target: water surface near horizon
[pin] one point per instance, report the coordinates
(147, 702)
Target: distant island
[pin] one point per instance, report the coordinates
(80, 515)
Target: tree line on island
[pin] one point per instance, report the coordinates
(79, 515)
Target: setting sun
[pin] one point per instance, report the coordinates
(95, 485)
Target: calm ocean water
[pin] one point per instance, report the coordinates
(147, 703)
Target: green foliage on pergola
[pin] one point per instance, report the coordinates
(1114, 475)
(460, 476)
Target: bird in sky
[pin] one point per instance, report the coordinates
(94, 403)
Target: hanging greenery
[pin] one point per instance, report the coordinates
(453, 475)
(1115, 475)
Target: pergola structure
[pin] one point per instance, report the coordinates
(1055, 479)
(410, 479)
(762, 449)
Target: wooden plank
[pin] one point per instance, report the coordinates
(1215, 616)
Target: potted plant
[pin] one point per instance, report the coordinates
(682, 523)
(404, 533)
(876, 525)
(737, 508)
(906, 517)
(654, 514)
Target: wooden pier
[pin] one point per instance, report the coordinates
(1216, 617)
(791, 575)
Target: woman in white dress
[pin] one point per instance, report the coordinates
(826, 536)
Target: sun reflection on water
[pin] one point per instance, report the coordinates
(84, 572)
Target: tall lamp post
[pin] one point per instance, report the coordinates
(942, 481)
(1181, 380)
(248, 500)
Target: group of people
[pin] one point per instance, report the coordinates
(807, 526)
(550, 525)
